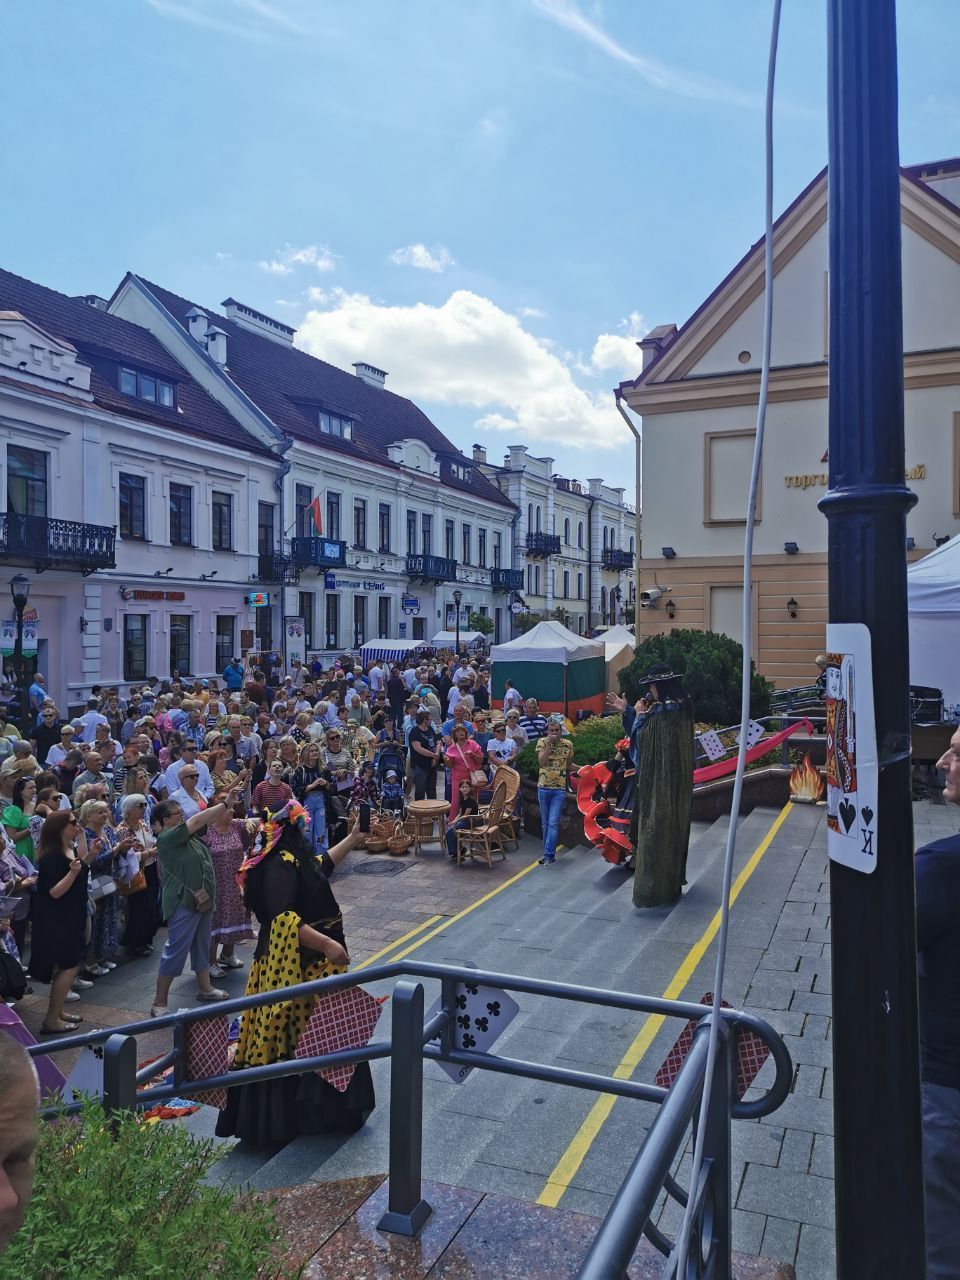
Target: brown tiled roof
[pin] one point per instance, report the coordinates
(102, 340)
(290, 387)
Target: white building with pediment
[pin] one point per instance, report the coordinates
(697, 396)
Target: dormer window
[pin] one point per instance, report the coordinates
(332, 424)
(459, 471)
(133, 382)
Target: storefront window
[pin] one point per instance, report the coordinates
(359, 621)
(180, 643)
(263, 622)
(306, 613)
(333, 622)
(225, 643)
(383, 618)
(134, 646)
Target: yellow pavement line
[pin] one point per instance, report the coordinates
(566, 1167)
(466, 911)
(397, 941)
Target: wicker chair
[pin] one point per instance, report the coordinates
(482, 834)
(510, 822)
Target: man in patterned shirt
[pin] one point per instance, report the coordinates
(554, 757)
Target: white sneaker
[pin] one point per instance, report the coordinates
(159, 1010)
(71, 996)
(82, 984)
(107, 964)
(217, 971)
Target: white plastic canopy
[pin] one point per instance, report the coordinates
(448, 639)
(619, 644)
(547, 642)
(933, 608)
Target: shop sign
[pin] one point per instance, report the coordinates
(295, 634)
(402, 629)
(452, 616)
(813, 479)
(31, 631)
(410, 604)
(332, 583)
(152, 595)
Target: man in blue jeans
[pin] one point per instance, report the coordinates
(554, 754)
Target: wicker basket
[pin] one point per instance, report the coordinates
(375, 845)
(400, 841)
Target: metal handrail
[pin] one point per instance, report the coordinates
(413, 1039)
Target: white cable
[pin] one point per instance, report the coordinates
(683, 1239)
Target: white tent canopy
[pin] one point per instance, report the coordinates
(547, 642)
(933, 606)
(448, 639)
(619, 644)
(388, 650)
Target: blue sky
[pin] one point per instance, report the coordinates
(489, 200)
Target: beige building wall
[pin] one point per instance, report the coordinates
(698, 405)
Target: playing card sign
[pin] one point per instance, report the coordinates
(713, 747)
(754, 733)
(852, 766)
(481, 1015)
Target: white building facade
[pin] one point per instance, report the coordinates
(575, 542)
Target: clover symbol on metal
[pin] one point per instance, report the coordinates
(469, 1041)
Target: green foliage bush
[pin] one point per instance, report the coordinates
(135, 1207)
(594, 739)
(480, 622)
(710, 665)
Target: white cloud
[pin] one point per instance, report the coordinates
(418, 255)
(470, 353)
(289, 258)
(248, 19)
(223, 255)
(530, 313)
(618, 351)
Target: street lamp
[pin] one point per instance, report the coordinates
(20, 591)
(457, 597)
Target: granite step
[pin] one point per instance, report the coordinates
(330, 1231)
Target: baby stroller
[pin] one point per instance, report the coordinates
(390, 756)
(392, 798)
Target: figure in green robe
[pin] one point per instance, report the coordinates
(660, 729)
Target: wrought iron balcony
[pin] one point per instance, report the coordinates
(49, 543)
(506, 579)
(318, 553)
(274, 567)
(543, 544)
(432, 568)
(614, 558)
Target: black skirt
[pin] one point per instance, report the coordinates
(273, 1111)
(143, 912)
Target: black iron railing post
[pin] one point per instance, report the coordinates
(119, 1076)
(406, 1209)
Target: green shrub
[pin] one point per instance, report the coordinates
(594, 739)
(134, 1208)
(710, 665)
(480, 622)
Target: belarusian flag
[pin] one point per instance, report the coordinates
(317, 518)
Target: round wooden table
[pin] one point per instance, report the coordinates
(424, 814)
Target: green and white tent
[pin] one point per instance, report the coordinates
(563, 671)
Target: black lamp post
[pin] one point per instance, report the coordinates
(457, 597)
(20, 591)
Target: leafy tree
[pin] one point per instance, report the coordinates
(710, 666)
(480, 622)
(563, 616)
(524, 622)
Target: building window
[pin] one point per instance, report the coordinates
(529, 517)
(333, 622)
(482, 548)
(133, 504)
(134, 646)
(566, 584)
(579, 586)
(566, 531)
(265, 528)
(181, 516)
(222, 521)
(450, 540)
(497, 548)
(383, 618)
(180, 642)
(226, 647)
(333, 516)
(302, 500)
(384, 522)
(539, 516)
(467, 549)
(263, 622)
(613, 537)
(26, 481)
(411, 533)
(536, 579)
(426, 534)
(332, 424)
(529, 579)
(604, 537)
(306, 613)
(603, 604)
(360, 524)
(632, 545)
(580, 534)
(725, 482)
(359, 621)
(146, 387)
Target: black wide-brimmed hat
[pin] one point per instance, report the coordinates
(658, 672)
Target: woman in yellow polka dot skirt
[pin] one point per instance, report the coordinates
(301, 939)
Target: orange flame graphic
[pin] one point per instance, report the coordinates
(806, 782)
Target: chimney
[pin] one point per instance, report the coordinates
(370, 374)
(198, 324)
(655, 341)
(217, 345)
(479, 453)
(94, 300)
(257, 322)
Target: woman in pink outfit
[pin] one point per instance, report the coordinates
(462, 757)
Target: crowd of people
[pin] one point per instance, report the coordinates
(119, 819)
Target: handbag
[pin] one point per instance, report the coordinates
(135, 885)
(478, 777)
(102, 887)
